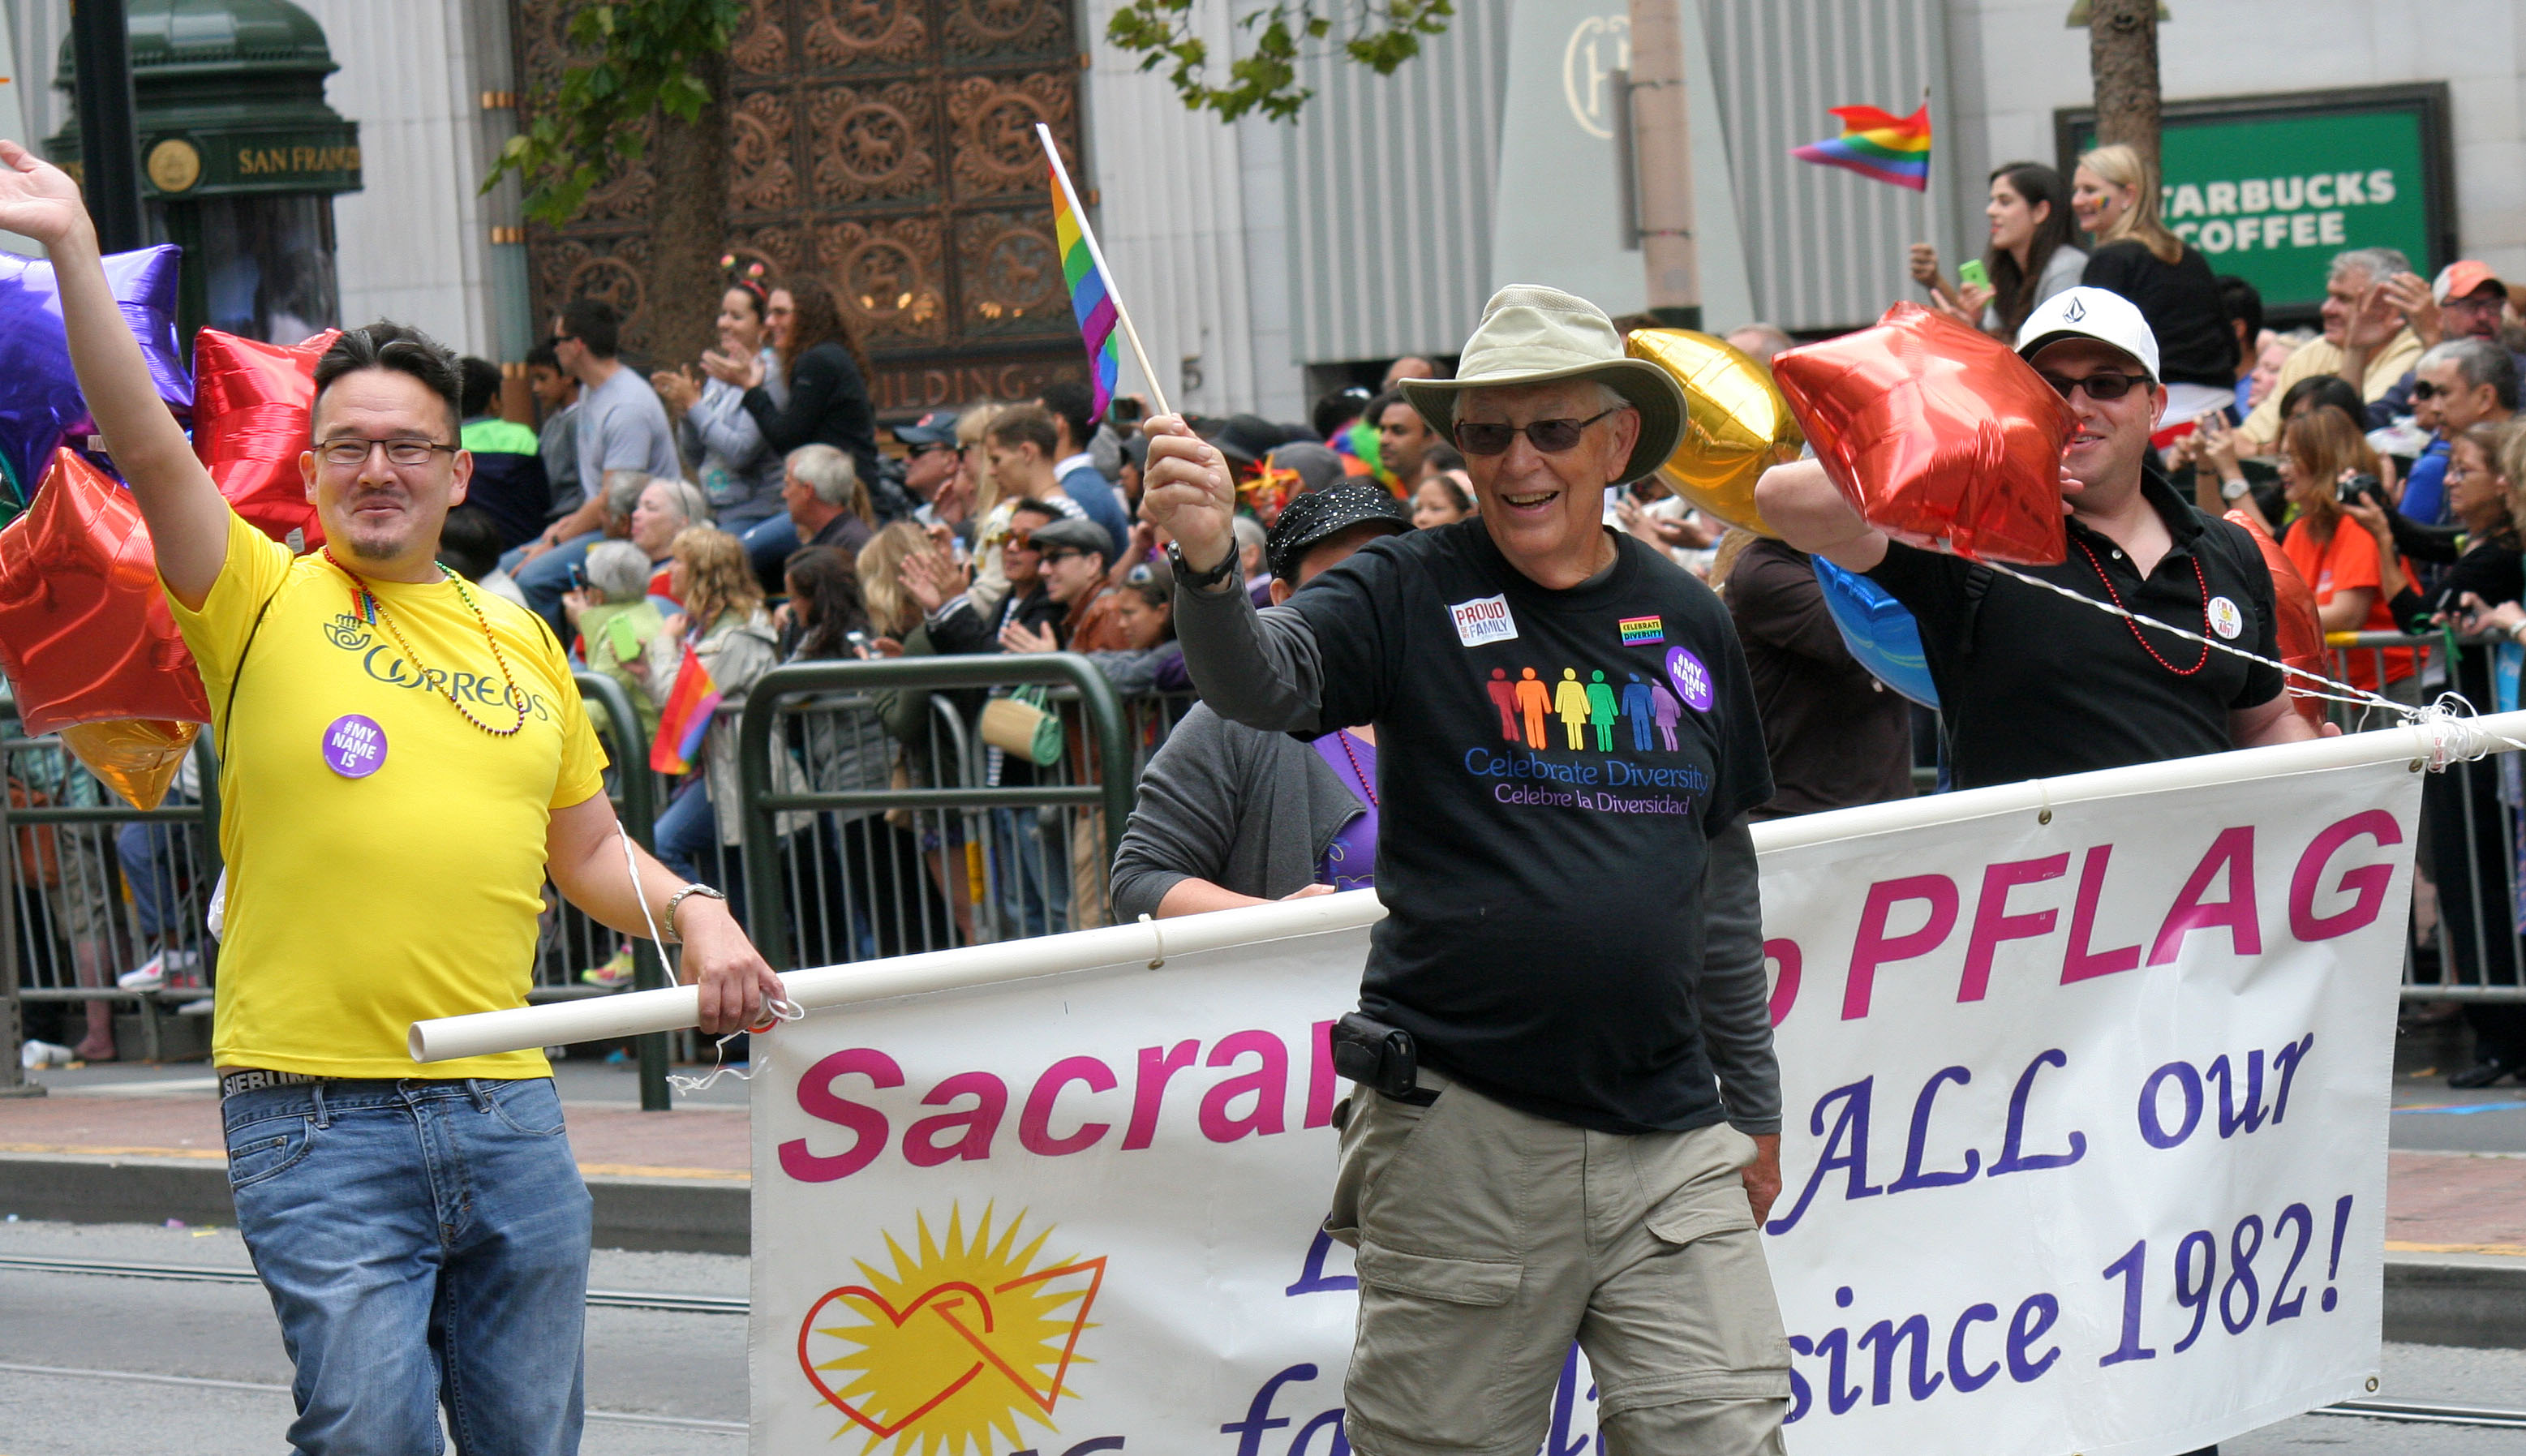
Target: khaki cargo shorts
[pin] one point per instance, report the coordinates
(1489, 1238)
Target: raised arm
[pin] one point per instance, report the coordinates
(1262, 670)
(1802, 504)
(187, 520)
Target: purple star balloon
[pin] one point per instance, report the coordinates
(39, 395)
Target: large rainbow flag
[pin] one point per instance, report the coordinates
(1877, 144)
(1083, 269)
(684, 717)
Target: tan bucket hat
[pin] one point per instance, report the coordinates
(1530, 334)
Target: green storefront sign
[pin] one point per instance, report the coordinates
(2270, 187)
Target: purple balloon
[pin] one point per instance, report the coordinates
(39, 395)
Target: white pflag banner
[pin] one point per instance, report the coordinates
(2085, 1120)
(2085, 1149)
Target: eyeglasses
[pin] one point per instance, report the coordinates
(1552, 437)
(352, 452)
(2425, 391)
(1055, 558)
(915, 452)
(1021, 540)
(2100, 387)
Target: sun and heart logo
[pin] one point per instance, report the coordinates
(967, 1337)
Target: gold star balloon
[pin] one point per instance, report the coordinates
(1736, 424)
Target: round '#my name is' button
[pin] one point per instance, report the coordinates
(355, 746)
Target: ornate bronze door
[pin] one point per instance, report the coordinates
(887, 146)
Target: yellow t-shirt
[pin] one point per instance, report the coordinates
(357, 905)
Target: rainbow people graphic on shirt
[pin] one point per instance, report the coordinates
(1640, 708)
(1535, 700)
(1601, 710)
(1570, 701)
(1504, 698)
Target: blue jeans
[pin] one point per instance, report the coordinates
(547, 578)
(688, 839)
(148, 855)
(1029, 872)
(425, 1243)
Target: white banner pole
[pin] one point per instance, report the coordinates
(678, 1008)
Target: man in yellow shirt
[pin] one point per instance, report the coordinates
(403, 761)
(2365, 342)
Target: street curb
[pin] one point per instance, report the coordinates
(651, 1213)
(2474, 1300)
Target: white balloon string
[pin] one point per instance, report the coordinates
(2454, 736)
(783, 1009)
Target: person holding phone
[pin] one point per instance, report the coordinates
(2031, 256)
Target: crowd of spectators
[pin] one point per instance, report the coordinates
(749, 508)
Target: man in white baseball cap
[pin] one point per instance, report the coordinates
(2031, 684)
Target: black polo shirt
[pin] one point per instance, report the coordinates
(2032, 686)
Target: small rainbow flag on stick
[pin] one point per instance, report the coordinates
(1878, 144)
(684, 717)
(1091, 288)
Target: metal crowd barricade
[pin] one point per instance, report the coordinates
(636, 794)
(2468, 919)
(95, 889)
(878, 821)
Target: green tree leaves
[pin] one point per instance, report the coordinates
(1381, 34)
(633, 57)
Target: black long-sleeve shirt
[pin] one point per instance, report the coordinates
(828, 405)
(1551, 767)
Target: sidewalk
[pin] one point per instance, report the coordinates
(112, 1110)
(120, 1137)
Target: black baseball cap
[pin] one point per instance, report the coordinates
(937, 428)
(1313, 517)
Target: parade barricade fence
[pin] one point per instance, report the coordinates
(95, 888)
(2469, 918)
(890, 826)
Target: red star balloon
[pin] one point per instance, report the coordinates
(86, 634)
(1938, 433)
(2302, 630)
(252, 404)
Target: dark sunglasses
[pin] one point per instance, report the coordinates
(2424, 389)
(915, 452)
(2100, 387)
(1550, 436)
(1021, 540)
(1054, 558)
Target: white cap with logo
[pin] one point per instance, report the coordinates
(2089, 313)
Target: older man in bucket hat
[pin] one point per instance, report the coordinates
(1567, 1124)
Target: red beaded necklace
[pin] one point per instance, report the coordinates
(1367, 786)
(2134, 627)
(371, 609)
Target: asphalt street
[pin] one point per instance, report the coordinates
(641, 1363)
(76, 1350)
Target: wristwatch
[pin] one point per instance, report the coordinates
(676, 900)
(2232, 488)
(1186, 576)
